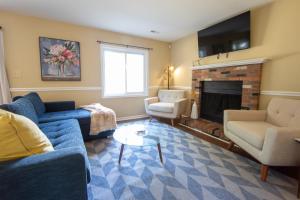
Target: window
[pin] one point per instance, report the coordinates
(124, 71)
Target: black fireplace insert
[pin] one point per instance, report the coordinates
(217, 96)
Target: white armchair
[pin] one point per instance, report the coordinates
(169, 104)
(269, 136)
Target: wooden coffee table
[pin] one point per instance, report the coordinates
(136, 135)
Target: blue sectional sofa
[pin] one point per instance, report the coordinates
(61, 110)
(62, 174)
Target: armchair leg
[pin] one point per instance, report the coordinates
(230, 145)
(150, 118)
(264, 172)
(172, 122)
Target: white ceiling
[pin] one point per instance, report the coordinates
(173, 19)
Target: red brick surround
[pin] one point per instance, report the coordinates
(249, 74)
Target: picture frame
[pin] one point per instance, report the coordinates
(59, 59)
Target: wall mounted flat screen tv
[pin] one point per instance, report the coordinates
(227, 36)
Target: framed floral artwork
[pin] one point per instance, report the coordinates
(59, 59)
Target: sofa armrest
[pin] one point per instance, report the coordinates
(59, 106)
(179, 107)
(60, 174)
(280, 147)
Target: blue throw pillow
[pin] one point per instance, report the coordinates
(37, 102)
(23, 107)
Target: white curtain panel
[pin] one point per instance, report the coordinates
(5, 96)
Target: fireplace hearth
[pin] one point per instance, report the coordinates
(217, 96)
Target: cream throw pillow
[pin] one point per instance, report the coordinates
(20, 137)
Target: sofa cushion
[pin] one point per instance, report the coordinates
(65, 134)
(162, 107)
(62, 115)
(20, 137)
(23, 107)
(37, 102)
(253, 132)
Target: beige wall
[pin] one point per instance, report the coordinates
(21, 35)
(275, 35)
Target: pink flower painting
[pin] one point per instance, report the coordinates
(60, 59)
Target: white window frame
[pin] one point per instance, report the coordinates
(116, 48)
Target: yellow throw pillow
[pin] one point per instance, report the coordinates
(20, 137)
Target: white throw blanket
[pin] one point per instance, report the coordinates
(102, 118)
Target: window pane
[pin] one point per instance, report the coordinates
(114, 63)
(135, 73)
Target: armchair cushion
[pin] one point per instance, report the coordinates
(284, 112)
(37, 102)
(162, 107)
(170, 96)
(252, 132)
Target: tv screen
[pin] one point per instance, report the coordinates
(227, 36)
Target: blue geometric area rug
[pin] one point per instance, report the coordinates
(192, 169)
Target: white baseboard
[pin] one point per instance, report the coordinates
(119, 119)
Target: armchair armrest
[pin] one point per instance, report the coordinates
(60, 174)
(59, 106)
(149, 101)
(180, 106)
(244, 115)
(280, 147)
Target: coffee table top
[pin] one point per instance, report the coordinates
(136, 135)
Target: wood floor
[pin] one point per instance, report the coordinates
(212, 128)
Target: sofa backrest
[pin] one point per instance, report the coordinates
(4, 107)
(284, 112)
(170, 96)
(37, 102)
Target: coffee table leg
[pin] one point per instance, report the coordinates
(121, 153)
(159, 151)
(298, 194)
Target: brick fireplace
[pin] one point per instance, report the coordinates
(249, 74)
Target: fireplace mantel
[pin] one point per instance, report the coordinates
(232, 63)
